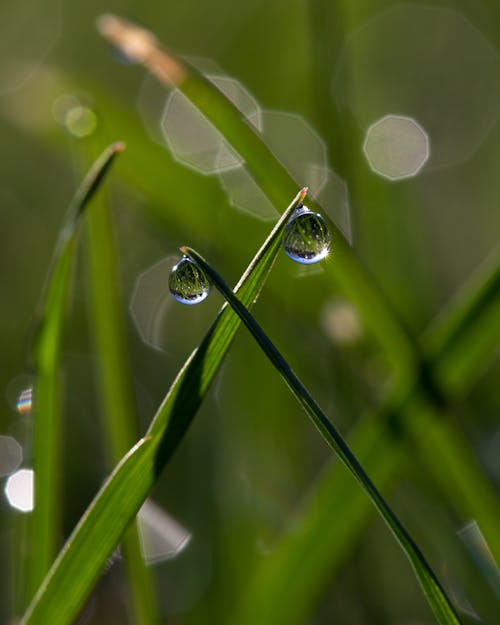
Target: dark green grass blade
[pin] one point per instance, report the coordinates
(115, 384)
(286, 584)
(438, 601)
(45, 356)
(77, 567)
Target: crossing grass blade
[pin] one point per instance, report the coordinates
(45, 356)
(79, 564)
(437, 598)
(285, 586)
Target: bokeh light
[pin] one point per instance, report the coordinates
(19, 490)
(193, 140)
(28, 31)
(396, 147)
(162, 537)
(430, 63)
(341, 322)
(25, 401)
(11, 455)
(151, 300)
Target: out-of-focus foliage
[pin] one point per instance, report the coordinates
(343, 92)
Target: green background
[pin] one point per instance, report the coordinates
(251, 459)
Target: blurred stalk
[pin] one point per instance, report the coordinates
(116, 388)
(45, 356)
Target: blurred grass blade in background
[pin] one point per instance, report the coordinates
(412, 366)
(115, 383)
(438, 600)
(45, 522)
(79, 564)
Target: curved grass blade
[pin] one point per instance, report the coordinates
(438, 601)
(45, 357)
(141, 46)
(77, 567)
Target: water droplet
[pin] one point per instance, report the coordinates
(307, 238)
(188, 283)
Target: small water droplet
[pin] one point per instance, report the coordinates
(188, 283)
(306, 238)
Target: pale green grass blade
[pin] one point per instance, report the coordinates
(437, 598)
(77, 567)
(273, 179)
(45, 519)
(115, 383)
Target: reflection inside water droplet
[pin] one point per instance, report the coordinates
(306, 238)
(188, 283)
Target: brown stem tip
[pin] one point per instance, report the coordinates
(141, 46)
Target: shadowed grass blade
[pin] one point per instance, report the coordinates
(286, 584)
(115, 383)
(78, 566)
(45, 354)
(438, 601)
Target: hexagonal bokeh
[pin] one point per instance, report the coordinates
(192, 138)
(302, 151)
(11, 455)
(396, 147)
(151, 301)
(429, 63)
(28, 31)
(19, 490)
(297, 146)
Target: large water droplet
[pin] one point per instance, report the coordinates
(188, 283)
(306, 238)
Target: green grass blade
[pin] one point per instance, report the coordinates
(438, 601)
(116, 388)
(45, 519)
(467, 330)
(99, 531)
(273, 179)
(273, 594)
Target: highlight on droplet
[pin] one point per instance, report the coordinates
(19, 490)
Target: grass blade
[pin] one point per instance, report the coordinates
(99, 531)
(274, 180)
(45, 354)
(273, 594)
(439, 602)
(116, 388)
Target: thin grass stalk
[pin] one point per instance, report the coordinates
(437, 598)
(45, 522)
(115, 383)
